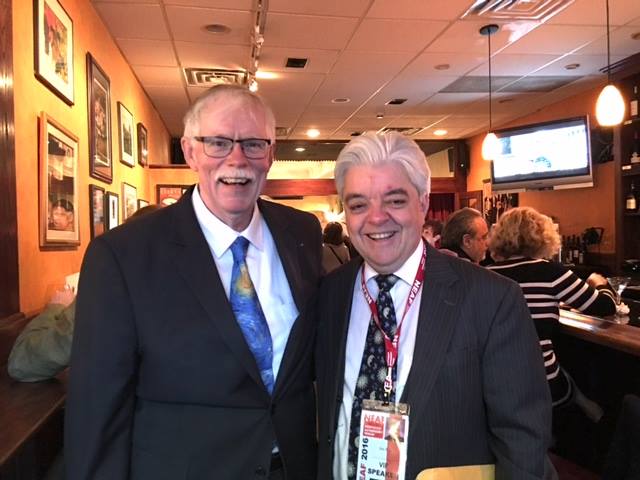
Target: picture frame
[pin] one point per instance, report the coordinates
(112, 213)
(129, 200)
(99, 111)
(471, 199)
(53, 48)
(142, 203)
(58, 187)
(126, 136)
(97, 209)
(169, 194)
(143, 145)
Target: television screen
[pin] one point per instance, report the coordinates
(549, 155)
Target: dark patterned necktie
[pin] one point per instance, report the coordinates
(373, 369)
(246, 307)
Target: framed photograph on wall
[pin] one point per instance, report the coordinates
(99, 102)
(112, 213)
(471, 199)
(53, 44)
(143, 146)
(97, 210)
(58, 189)
(129, 200)
(125, 127)
(169, 194)
(142, 203)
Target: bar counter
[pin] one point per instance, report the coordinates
(619, 332)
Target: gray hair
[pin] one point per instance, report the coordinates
(459, 224)
(389, 148)
(230, 95)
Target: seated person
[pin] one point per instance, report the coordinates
(465, 233)
(334, 250)
(43, 348)
(522, 242)
(432, 231)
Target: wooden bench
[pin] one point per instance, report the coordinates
(31, 415)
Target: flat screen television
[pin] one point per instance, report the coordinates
(543, 156)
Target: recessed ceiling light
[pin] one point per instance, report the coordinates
(261, 74)
(300, 149)
(217, 28)
(313, 133)
(572, 66)
(380, 115)
(341, 100)
(635, 36)
(440, 132)
(442, 66)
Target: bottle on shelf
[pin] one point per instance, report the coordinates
(633, 103)
(635, 148)
(576, 249)
(631, 200)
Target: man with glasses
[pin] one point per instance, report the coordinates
(192, 351)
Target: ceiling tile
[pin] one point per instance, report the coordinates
(419, 9)
(275, 58)
(554, 39)
(187, 24)
(327, 33)
(337, 8)
(464, 37)
(588, 65)
(159, 76)
(593, 12)
(459, 64)
(246, 5)
(620, 40)
(200, 55)
(147, 52)
(508, 64)
(399, 35)
(124, 20)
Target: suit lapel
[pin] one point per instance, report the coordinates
(441, 293)
(190, 252)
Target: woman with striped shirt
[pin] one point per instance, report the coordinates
(522, 242)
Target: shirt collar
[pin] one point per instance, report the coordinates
(407, 272)
(221, 235)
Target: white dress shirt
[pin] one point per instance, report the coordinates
(356, 338)
(265, 270)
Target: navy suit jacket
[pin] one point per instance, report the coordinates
(476, 389)
(162, 382)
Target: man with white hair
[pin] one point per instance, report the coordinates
(192, 353)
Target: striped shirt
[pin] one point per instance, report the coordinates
(545, 286)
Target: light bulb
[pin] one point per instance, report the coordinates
(610, 107)
(490, 146)
(253, 86)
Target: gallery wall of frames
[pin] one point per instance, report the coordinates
(84, 134)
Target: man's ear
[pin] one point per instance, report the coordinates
(466, 240)
(187, 151)
(424, 203)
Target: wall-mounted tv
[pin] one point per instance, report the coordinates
(543, 156)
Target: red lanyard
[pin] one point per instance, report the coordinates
(391, 345)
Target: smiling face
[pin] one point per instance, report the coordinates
(229, 186)
(384, 214)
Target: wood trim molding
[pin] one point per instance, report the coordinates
(9, 273)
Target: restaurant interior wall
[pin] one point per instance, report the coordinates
(43, 271)
(574, 209)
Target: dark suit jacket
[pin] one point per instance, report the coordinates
(477, 388)
(163, 384)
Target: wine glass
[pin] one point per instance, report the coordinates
(618, 284)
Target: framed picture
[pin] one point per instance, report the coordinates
(169, 194)
(53, 44)
(142, 203)
(129, 200)
(97, 210)
(112, 210)
(99, 101)
(498, 203)
(471, 199)
(125, 125)
(143, 146)
(58, 189)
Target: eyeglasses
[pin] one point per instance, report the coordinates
(220, 147)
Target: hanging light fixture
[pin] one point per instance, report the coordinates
(490, 144)
(610, 105)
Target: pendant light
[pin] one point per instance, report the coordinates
(610, 105)
(490, 144)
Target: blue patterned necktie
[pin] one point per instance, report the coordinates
(246, 307)
(373, 369)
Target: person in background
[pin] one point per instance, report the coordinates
(432, 232)
(334, 250)
(466, 234)
(522, 242)
(61, 215)
(43, 348)
(468, 361)
(192, 356)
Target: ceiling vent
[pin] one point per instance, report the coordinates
(296, 62)
(508, 84)
(282, 131)
(406, 131)
(208, 77)
(396, 101)
(535, 10)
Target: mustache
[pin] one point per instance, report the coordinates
(237, 174)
